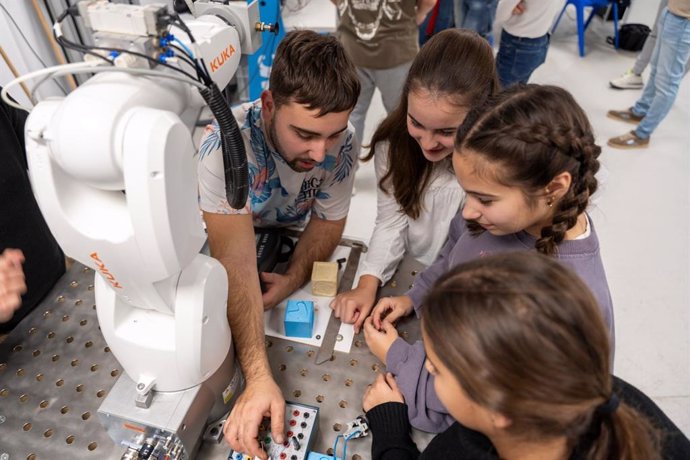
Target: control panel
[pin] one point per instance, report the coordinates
(301, 424)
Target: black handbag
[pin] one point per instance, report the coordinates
(631, 37)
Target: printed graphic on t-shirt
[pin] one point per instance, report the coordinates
(366, 30)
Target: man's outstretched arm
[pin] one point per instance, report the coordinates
(232, 242)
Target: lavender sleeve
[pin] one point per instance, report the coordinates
(424, 409)
(428, 277)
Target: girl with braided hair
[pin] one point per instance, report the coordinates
(551, 397)
(527, 162)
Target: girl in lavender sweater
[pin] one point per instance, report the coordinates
(526, 161)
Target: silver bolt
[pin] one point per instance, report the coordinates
(339, 338)
(4, 456)
(140, 386)
(2, 419)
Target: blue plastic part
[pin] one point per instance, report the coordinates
(299, 318)
(319, 456)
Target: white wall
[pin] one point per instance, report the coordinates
(18, 51)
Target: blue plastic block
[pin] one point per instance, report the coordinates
(299, 318)
(318, 456)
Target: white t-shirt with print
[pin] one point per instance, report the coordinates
(278, 195)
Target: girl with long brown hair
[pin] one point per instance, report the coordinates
(418, 194)
(522, 360)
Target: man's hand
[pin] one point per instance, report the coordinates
(391, 309)
(379, 341)
(12, 283)
(278, 288)
(384, 389)
(260, 398)
(354, 306)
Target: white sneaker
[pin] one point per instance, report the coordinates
(627, 81)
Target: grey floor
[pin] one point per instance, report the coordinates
(642, 215)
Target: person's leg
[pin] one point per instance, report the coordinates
(632, 78)
(505, 59)
(672, 57)
(366, 80)
(479, 16)
(518, 57)
(459, 12)
(641, 107)
(390, 83)
(646, 54)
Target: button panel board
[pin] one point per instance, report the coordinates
(301, 423)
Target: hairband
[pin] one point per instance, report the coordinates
(609, 406)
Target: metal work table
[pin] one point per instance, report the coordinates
(55, 370)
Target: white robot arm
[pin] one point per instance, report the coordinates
(113, 170)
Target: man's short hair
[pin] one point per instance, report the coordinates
(313, 70)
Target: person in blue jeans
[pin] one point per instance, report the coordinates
(524, 39)
(669, 61)
(477, 15)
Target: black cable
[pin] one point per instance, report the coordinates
(77, 31)
(206, 77)
(201, 73)
(183, 56)
(81, 48)
(89, 50)
(64, 91)
(148, 58)
(236, 170)
(121, 50)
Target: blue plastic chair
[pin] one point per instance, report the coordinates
(582, 24)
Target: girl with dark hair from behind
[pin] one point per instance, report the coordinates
(551, 397)
(527, 162)
(418, 194)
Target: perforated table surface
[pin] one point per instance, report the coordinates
(55, 370)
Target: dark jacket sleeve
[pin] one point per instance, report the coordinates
(674, 444)
(15, 120)
(391, 433)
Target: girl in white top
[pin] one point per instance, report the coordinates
(418, 194)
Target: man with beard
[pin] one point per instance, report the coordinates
(302, 158)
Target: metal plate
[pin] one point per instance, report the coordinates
(55, 369)
(328, 344)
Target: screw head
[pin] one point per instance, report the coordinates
(140, 386)
(2, 419)
(4, 456)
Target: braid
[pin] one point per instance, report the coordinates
(580, 147)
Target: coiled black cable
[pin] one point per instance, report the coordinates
(235, 167)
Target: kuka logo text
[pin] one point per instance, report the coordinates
(222, 58)
(104, 271)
